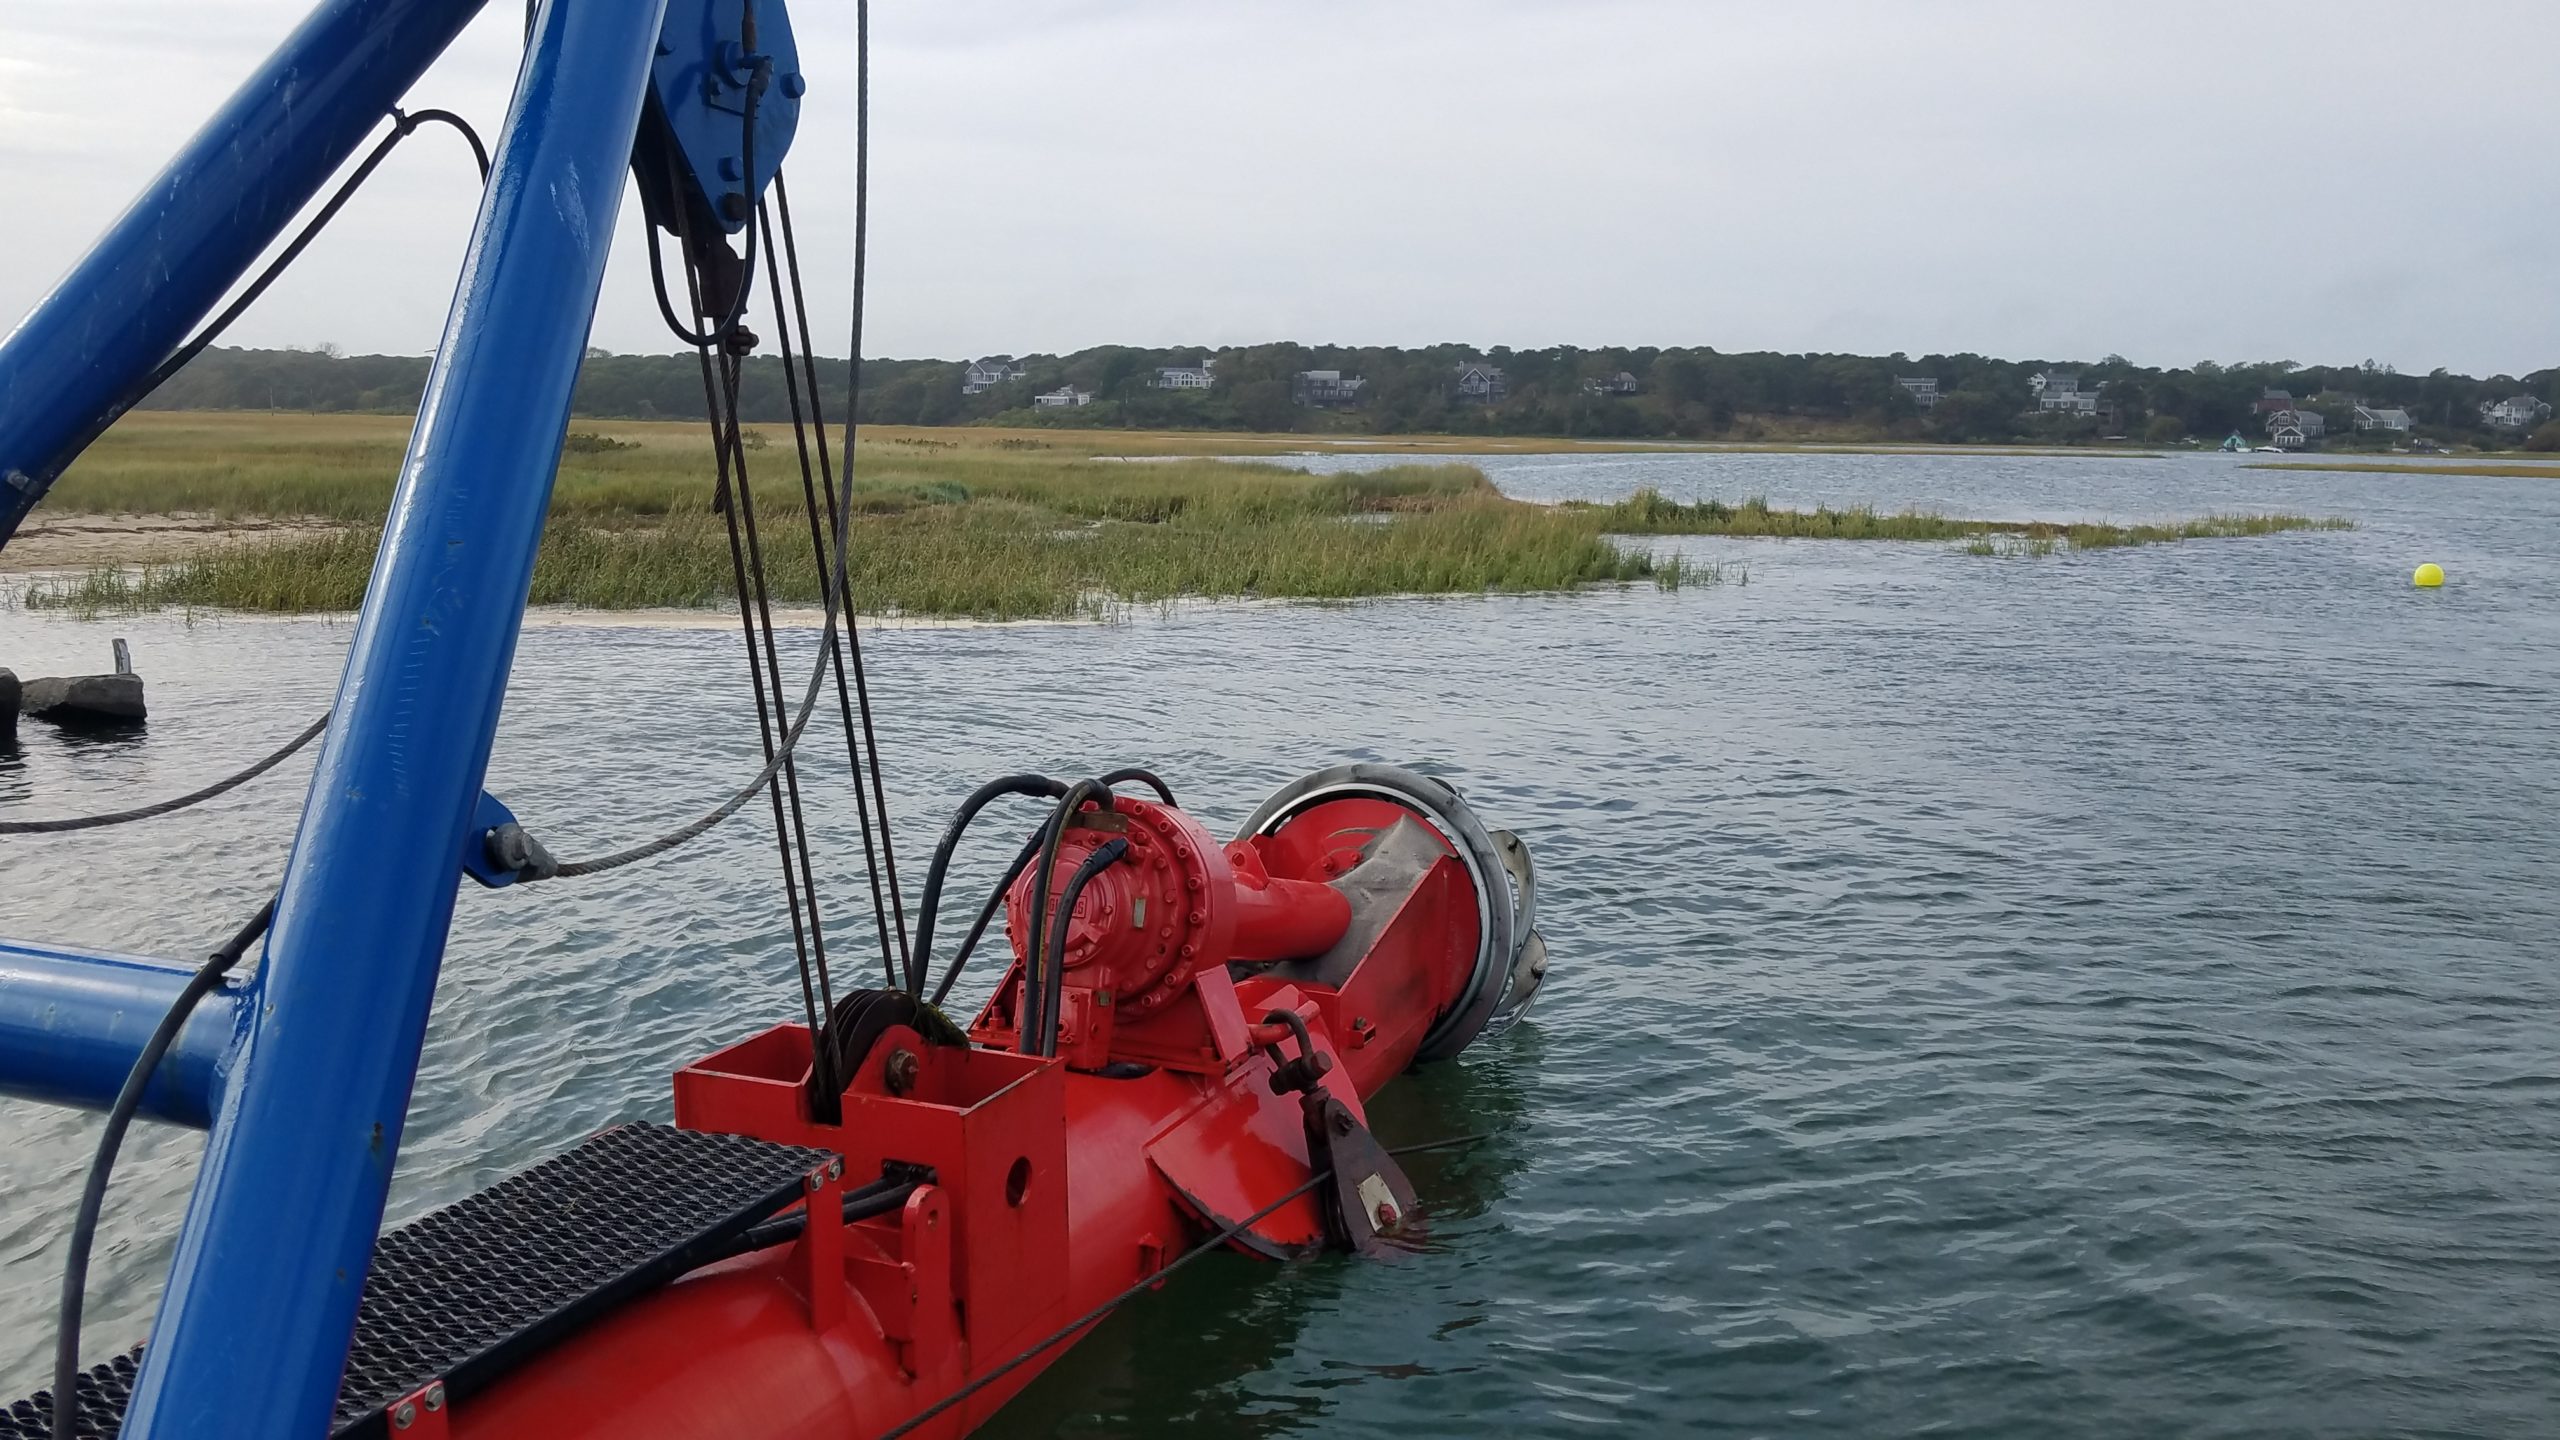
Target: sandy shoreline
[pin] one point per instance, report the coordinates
(75, 542)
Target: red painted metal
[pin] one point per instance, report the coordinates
(421, 1414)
(1057, 1183)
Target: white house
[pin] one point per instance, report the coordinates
(1923, 388)
(1185, 377)
(2058, 392)
(1622, 383)
(986, 375)
(2521, 412)
(1481, 382)
(1326, 389)
(1062, 398)
(2306, 423)
(2368, 418)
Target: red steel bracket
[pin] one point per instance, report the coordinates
(422, 1414)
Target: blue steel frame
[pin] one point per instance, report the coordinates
(78, 359)
(72, 1022)
(304, 1073)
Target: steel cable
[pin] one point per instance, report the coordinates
(916, 1421)
(837, 598)
(145, 812)
(868, 793)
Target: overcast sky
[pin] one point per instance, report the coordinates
(2172, 182)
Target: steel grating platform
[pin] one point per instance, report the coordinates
(471, 1291)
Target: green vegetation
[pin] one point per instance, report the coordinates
(979, 524)
(1685, 394)
(1648, 512)
(991, 560)
(1006, 527)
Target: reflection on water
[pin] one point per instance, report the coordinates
(2100, 995)
(108, 735)
(69, 739)
(1227, 1318)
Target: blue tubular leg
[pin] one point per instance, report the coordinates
(72, 1023)
(73, 364)
(252, 1334)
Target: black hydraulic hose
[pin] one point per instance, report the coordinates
(1118, 778)
(986, 915)
(880, 1197)
(93, 1195)
(1013, 872)
(1104, 856)
(920, 954)
(415, 118)
(403, 125)
(1035, 992)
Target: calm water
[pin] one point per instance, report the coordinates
(2095, 995)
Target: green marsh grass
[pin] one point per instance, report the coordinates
(1648, 512)
(961, 523)
(982, 560)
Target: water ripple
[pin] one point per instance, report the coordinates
(2106, 995)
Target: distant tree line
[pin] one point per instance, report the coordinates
(1679, 393)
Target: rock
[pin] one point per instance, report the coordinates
(85, 699)
(8, 706)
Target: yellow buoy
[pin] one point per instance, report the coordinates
(2429, 576)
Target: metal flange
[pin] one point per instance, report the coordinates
(1505, 906)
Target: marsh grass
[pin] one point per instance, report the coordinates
(961, 523)
(991, 561)
(1648, 512)
(1001, 529)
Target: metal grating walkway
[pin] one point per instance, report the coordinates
(469, 1292)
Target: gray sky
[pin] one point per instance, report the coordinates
(2172, 182)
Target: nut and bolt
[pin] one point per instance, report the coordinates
(435, 1396)
(405, 1416)
(1387, 1216)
